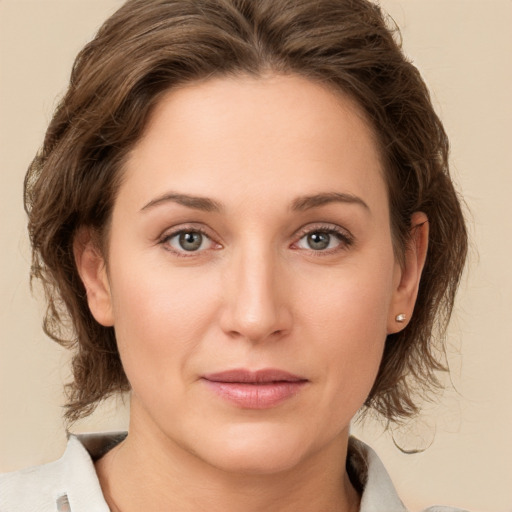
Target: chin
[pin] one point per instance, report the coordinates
(256, 450)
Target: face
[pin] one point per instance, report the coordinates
(251, 276)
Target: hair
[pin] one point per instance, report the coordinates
(150, 46)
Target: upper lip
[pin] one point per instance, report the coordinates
(266, 375)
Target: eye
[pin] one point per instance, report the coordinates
(325, 239)
(188, 241)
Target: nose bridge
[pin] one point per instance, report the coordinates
(254, 308)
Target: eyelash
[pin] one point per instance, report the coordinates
(165, 239)
(346, 239)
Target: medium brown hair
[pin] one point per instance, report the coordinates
(150, 46)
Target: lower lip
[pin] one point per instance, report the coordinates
(256, 396)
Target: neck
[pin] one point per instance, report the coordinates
(148, 471)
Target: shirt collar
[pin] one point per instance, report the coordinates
(365, 468)
(370, 475)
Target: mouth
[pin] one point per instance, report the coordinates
(261, 389)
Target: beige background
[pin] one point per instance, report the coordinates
(463, 48)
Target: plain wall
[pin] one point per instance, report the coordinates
(464, 50)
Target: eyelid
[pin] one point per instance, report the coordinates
(184, 228)
(346, 238)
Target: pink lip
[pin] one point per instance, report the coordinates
(261, 389)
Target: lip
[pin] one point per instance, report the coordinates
(261, 389)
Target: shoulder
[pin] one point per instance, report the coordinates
(69, 483)
(378, 493)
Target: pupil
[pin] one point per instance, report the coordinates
(319, 240)
(191, 241)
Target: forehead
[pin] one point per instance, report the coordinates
(247, 136)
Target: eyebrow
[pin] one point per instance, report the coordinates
(314, 201)
(196, 202)
(301, 203)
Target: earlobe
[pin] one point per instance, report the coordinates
(408, 280)
(92, 269)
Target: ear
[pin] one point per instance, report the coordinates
(93, 272)
(408, 275)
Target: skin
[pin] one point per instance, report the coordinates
(256, 294)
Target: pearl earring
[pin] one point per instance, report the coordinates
(400, 318)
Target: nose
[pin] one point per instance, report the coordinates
(257, 303)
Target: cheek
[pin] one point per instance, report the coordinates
(350, 334)
(347, 317)
(159, 320)
(352, 300)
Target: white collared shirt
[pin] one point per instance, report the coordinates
(70, 484)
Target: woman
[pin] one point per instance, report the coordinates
(245, 209)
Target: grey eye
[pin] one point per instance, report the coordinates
(318, 240)
(190, 240)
